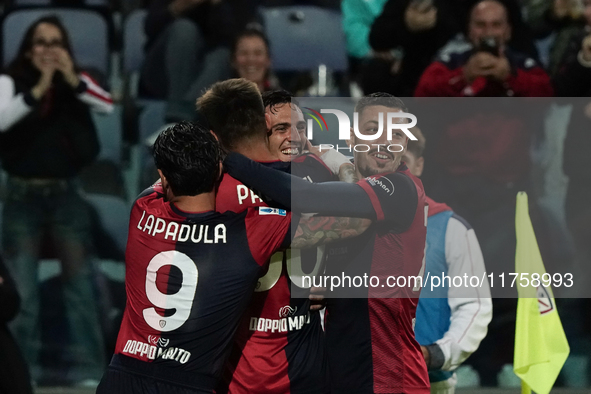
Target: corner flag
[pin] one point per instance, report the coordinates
(541, 347)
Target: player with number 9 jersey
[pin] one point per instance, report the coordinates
(189, 278)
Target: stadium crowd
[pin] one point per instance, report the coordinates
(481, 151)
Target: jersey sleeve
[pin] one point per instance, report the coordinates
(299, 195)
(394, 198)
(268, 230)
(91, 93)
(13, 107)
(471, 307)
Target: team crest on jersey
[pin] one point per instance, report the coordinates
(287, 311)
(545, 303)
(154, 340)
(162, 323)
(272, 211)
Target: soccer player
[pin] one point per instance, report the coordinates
(451, 321)
(287, 139)
(279, 346)
(371, 343)
(190, 271)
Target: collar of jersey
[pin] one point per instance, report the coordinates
(191, 215)
(277, 164)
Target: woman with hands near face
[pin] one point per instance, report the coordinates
(49, 55)
(47, 135)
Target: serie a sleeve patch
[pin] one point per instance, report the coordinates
(272, 211)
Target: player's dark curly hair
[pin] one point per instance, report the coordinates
(379, 98)
(189, 157)
(274, 98)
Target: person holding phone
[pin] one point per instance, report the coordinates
(489, 67)
(484, 152)
(562, 18)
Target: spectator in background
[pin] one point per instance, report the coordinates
(490, 67)
(14, 374)
(483, 152)
(451, 321)
(405, 37)
(251, 59)
(563, 17)
(46, 136)
(188, 49)
(574, 80)
(358, 16)
(413, 31)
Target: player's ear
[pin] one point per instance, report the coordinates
(349, 141)
(214, 135)
(163, 180)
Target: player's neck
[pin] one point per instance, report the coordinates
(200, 203)
(256, 150)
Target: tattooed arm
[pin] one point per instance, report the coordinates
(348, 174)
(318, 230)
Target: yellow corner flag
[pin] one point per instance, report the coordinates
(541, 347)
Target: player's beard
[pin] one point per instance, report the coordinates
(367, 170)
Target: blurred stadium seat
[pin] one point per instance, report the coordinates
(113, 215)
(29, 3)
(47, 3)
(105, 174)
(88, 30)
(306, 38)
(142, 172)
(1, 216)
(151, 119)
(134, 40)
(110, 133)
(303, 37)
